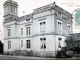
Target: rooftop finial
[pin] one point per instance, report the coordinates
(9, 0)
(54, 2)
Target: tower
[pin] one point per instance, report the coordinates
(10, 10)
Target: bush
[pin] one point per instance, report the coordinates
(70, 53)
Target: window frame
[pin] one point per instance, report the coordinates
(43, 43)
(21, 31)
(68, 25)
(9, 32)
(21, 43)
(42, 26)
(28, 30)
(9, 44)
(59, 43)
(59, 25)
(28, 44)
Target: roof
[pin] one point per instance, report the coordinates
(29, 16)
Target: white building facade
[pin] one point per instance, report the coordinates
(43, 32)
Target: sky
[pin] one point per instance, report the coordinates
(29, 5)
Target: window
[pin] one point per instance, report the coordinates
(28, 44)
(42, 26)
(21, 43)
(27, 20)
(59, 45)
(68, 28)
(9, 32)
(9, 44)
(21, 31)
(27, 30)
(59, 38)
(59, 26)
(11, 9)
(43, 43)
(15, 9)
(59, 13)
(5, 9)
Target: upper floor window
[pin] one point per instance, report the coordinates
(21, 31)
(9, 44)
(28, 44)
(59, 13)
(43, 43)
(43, 26)
(5, 9)
(15, 9)
(11, 9)
(27, 20)
(68, 28)
(59, 26)
(28, 31)
(9, 32)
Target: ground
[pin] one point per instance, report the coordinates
(7, 57)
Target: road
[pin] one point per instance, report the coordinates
(6, 57)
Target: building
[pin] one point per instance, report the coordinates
(44, 31)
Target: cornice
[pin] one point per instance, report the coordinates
(52, 33)
(29, 16)
(50, 7)
(17, 37)
(35, 35)
(43, 16)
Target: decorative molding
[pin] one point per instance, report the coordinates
(29, 16)
(42, 19)
(43, 34)
(43, 16)
(50, 7)
(27, 24)
(8, 27)
(17, 37)
(10, 2)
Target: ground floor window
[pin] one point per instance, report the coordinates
(59, 45)
(21, 43)
(28, 44)
(9, 44)
(43, 43)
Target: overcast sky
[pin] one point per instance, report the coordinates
(29, 5)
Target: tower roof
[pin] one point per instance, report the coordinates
(10, 2)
